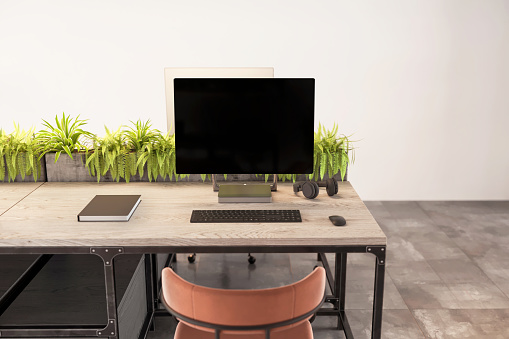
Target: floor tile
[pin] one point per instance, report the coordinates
(479, 295)
(359, 295)
(394, 226)
(458, 270)
(476, 249)
(405, 210)
(453, 296)
(434, 244)
(396, 324)
(428, 296)
(411, 272)
(399, 248)
(458, 210)
(377, 209)
(463, 324)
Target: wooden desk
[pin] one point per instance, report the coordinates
(45, 222)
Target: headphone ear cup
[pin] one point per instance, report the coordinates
(310, 189)
(330, 188)
(317, 189)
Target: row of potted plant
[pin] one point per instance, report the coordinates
(132, 150)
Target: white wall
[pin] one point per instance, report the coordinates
(423, 85)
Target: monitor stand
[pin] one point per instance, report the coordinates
(244, 192)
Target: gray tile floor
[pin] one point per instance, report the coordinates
(447, 273)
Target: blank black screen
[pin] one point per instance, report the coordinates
(244, 126)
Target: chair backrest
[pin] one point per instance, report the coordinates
(243, 307)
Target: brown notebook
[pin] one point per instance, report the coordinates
(110, 208)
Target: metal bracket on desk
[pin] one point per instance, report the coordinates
(215, 185)
(332, 300)
(379, 252)
(109, 330)
(107, 253)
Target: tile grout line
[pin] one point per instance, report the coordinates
(17, 202)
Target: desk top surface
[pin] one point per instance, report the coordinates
(46, 215)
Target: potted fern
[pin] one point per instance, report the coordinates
(123, 155)
(20, 156)
(159, 158)
(65, 149)
(330, 156)
(136, 153)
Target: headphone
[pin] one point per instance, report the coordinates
(310, 189)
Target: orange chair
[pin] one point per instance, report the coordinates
(277, 313)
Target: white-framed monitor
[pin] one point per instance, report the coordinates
(171, 73)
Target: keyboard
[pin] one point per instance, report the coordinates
(240, 216)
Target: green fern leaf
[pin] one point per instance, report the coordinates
(2, 167)
(335, 166)
(37, 168)
(11, 167)
(132, 162)
(155, 167)
(149, 167)
(22, 165)
(127, 167)
(323, 165)
(344, 164)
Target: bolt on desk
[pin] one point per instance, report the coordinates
(42, 220)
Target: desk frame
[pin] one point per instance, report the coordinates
(336, 281)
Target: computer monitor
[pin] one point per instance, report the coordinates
(171, 73)
(244, 125)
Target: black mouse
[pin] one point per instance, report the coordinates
(337, 220)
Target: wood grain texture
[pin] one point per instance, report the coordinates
(47, 217)
(12, 193)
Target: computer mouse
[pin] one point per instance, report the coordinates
(337, 220)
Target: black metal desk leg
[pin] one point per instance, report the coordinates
(151, 287)
(379, 251)
(107, 255)
(340, 284)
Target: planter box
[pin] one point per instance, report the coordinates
(67, 169)
(30, 178)
(71, 170)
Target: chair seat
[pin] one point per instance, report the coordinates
(301, 331)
